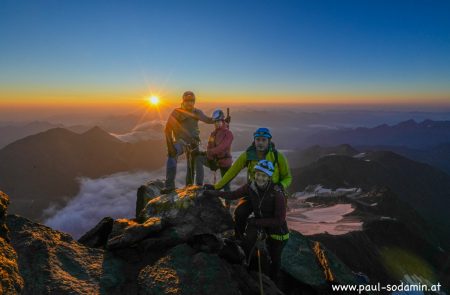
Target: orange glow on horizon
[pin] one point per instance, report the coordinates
(129, 100)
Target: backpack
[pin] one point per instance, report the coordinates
(274, 150)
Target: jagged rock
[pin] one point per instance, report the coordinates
(147, 192)
(4, 202)
(10, 280)
(189, 213)
(300, 261)
(185, 271)
(126, 232)
(208, 243)
(232, 252)
(98, 236)
(249, 282)
(51, 262)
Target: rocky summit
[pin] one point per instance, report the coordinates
(11, 281)
(179, 243)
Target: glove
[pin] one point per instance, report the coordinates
(211, 193)
(209, 187)
(228, 119)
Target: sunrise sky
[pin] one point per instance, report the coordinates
(117, 53)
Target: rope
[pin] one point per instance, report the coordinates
(261, 289)
(258, 243)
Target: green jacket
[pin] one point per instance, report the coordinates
(282, 174)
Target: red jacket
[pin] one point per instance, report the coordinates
(219, 146)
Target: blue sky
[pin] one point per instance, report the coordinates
(238, 47)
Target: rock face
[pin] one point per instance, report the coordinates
(186, 212)
(51, 262)
(180, 246)
(185, 271)
(10, 280)
(147, 192)
(126, 232)
(301, 262)
(98, 236)
(394, 243)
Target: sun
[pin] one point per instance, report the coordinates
(154, 100)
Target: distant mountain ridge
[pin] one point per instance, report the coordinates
(422, 186)
(408, 133)
(437, 156)
(43, 168)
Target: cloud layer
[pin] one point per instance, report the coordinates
(114, 196)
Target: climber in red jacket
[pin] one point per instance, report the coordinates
(218, 153)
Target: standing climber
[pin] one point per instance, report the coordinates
(218, 152)
(262, 148)
(183, 136)
(267, 202)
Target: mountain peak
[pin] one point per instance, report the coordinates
(97, 132)
(408, 123)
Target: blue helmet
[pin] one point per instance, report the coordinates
(218, 115)
(266, 167)
(262, 132)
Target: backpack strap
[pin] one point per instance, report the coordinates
(275, 153)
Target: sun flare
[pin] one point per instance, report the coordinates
(154, 100)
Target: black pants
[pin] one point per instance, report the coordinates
(271, 265)
(275, 249)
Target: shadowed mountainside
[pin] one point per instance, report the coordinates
(422, 186)
(43, 168)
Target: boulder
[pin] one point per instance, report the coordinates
(189, 213)
(185, 271)
(147, 192)
(170, 219)
(98, 236)
(51, 262)
(126, 232)
(300, 261)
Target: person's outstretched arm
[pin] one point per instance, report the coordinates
(233, 171)
(204, 118)
(233, 195)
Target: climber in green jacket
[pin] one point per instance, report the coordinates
(261, 148)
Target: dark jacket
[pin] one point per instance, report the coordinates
(219, 146)
(269, 206)
(182, 125)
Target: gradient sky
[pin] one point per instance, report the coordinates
(72, 52)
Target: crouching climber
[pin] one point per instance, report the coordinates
(269, 209)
